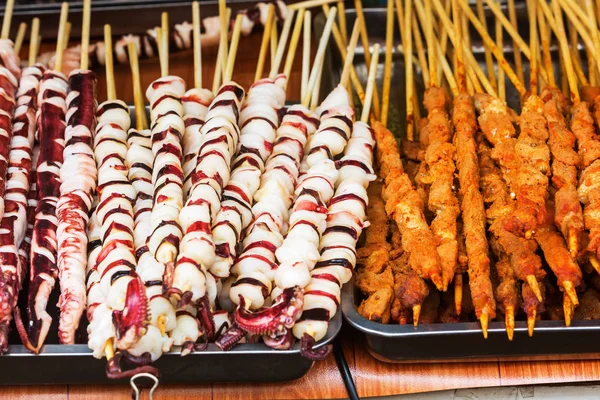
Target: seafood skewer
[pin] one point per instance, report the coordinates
(19, 179)
(78, 175)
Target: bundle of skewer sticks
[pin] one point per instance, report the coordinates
(518, 224)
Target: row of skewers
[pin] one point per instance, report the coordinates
(226, 217)
(503, 200)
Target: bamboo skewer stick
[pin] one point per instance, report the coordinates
(164, 44)
(370, 91)
(262, 55)
(141, 122)
(433, 76)
(342, 17)
(197, 44)
(225, 17)
(460, 64)
(400, 17)
(8, 10)
(64, 12)
(314, 102)
(285, 32)
(364, 39)
(342, 49)
(447, 70)
(319, 56)
(158, 42)
(408, 55)
(512, 16)
(221, 56)
(546, 57)
(576, 56)
(20, 36)
(565, 53)
(595, 37)
(582, 30)
(420, 51)
(289, 60)
(345, 78)
(489, 58)
(67, 36)
(497, 52)
(235, 39)
(34, 40)
(305, 54)
(500, 43)
(110, 76)
(273, 41)
(533, 68)
(85, 34)
(387, 71)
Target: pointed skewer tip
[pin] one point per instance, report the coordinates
(416, 314)
(533, 284)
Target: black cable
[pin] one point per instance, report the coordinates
(342, 365)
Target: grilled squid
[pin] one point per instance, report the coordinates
(18, 182)
(51, 131)
(190, 279)
(346, 217)
(78, 176)
(119, 302)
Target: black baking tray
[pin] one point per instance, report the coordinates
(455, 341)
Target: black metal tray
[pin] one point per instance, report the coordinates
(456, 341)
(74, 364)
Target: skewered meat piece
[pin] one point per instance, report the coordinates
(120, 305)
(346, 217)
(588, 148)
(180, 38)
(190, 279)
(439, 161)
(13, 227)
(259, 120)
(162, 313)
(409, 289)
(271, 209)
(474, 218)
(166, 112)
(78, 176)
(9, 82)
(51, 131)
(195, 107)
(376, 307)
(404, 204)
(565, 161)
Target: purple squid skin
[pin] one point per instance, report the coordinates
(115, 371)
(274, 320)
(307, 350)
(132, 322)
(280, 342)
(230, 338)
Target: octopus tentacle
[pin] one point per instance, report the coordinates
(307, 350)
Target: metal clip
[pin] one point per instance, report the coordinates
(135, 394)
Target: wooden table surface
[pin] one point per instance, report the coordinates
(372, 378)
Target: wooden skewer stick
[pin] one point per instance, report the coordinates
(8, 10)
(159, 43)
(387, 70)
(576, 55)
(197, 44)
(310, 4)
(262, 54)
(220, 57)
(512, 16)
(305, 54)
(400, 17)
(319, 56)
(458, 50)
(566, 55)
(420, 51)
(475, 72)
(138, 99)
(111, 93)
(314, 101)
(224, 16)
(369, 92)
(408, 81)
(342, 49)
(285, 33)
(467, 41)
(498, 53)
(489, 58)
(566, 6)
(291, 54)
(20, 37)
(273, 41)
(429, 39)
(546, 57)
(447, 70)
(85, 34)
(64, 12)
(501, 81)
(350, 55)
(67, 36)
(342, 17)
(595, 37)
(235, 39)
(33, 40)
(164, 44)
(364, 39)
(533, 74)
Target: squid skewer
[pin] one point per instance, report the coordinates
(78, 175)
